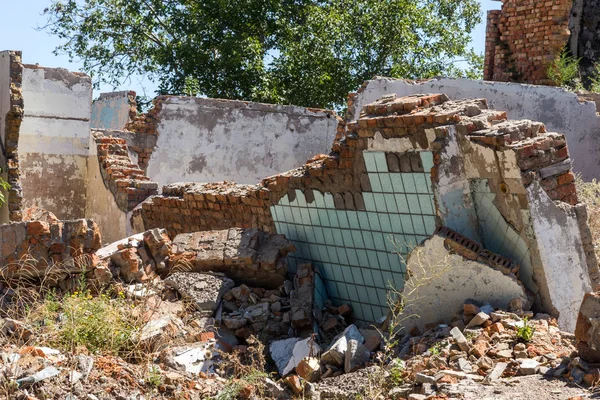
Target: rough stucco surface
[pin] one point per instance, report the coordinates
(54, 142)
(565, 273)
(441, 281)
(110, 111)
(206, 140)
(102, 207)
(558, 109)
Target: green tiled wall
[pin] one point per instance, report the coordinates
(356, 252)
(498, 236)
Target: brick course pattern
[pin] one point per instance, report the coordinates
(523, 38)
(12, 128)
(125, 180)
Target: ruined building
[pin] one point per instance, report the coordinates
(525, 36)
(405, 180)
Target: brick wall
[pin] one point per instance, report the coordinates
(126, 180)
(523, 38)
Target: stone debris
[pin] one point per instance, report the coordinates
(203, 291)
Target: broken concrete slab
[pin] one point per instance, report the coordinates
(204, 291)
(248, 256)
(441, 280)
(336, 353)
(357, 355)
(288, 353)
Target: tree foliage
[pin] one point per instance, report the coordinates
(304, 52)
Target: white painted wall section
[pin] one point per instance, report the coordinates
(208, 140)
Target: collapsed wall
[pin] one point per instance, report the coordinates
(558, 109)
(206, 140)
(406, 167)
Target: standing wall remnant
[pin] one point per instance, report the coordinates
(406, 167)
(55, 140)
(558, 109)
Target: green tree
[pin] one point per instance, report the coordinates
(304, 52)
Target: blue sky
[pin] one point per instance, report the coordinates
(21, 18)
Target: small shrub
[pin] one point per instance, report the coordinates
(595, 79)
(525, 332)
(154, 377)
(564, 71)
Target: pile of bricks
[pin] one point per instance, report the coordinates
(127, 182)
(13, 120)
(47, 247)
(523, 38)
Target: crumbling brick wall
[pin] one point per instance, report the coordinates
(406, 167)
(523, 38)
(12, 125)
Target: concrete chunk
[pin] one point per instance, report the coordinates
(204, 291)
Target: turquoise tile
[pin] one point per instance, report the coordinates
(425, 201)
(329, 236)
(420, 183)
(374, 221)
(413, 203)
(396, 223)
(352, 257)
(407, 225)
(429, 222)
(375, 182)
(333, 218)
(390, 243)
(363, 296)
(305, 216)
(367, 312)
(332, 288)
(342, 218)
(278, 227)
(328, 199)
(373, 260)
(382, 295)
(300, 198)
(323, 253)
(390, 203)
(367, 278)
(384, 262)
(352, 292)
(284, 201)
(324, 217)
(353, 219)
(300, 233)
(384, 222)
(380, 161)
(314, 216)
(369, 158)
(363, 219)
(426, 160)
(418, 224)
(342, 257)
(397, 185)
(380, 202)
(347, 237)
(428, 184)
(379, 312)
(287, 213)
(386, 183)
(319, 236)
(338, 237)
(409, 183)
(378, 279)
(388, 279)
(357, 238)
(411, 242)
(333, 257)
(343, 291)
(347, 274)
(319, 201)
(369, 199)
(358, 313)
(402, 203)
(373, 298)
(363, 259)
(296, 215)
(396, 264)
(368, 239)
(379, 240)
(292, 262)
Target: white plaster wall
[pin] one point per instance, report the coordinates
(560, 110)
(561, 252)
(110, 111)
(102, 207)
(54, 140)
(206, 140)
